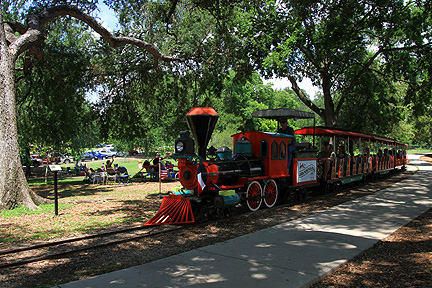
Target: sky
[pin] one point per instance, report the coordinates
(108, 19)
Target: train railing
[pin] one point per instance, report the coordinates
(357, 165)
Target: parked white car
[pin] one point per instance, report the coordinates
(108, 152)
(64, 159)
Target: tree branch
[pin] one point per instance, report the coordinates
(355, 79)
(303, 97)
(369, 63)
(171, 12)
(33, 34)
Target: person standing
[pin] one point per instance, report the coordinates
(156, 161)
(285, 129)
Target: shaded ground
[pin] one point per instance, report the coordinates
(378, 265)
(404, 259)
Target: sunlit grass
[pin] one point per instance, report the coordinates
(83, 207)
(19, 211)
(90, 208)
(419, 151)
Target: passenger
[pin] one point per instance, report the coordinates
(367, 152)
(285, 129)
(379, 154)
(342, 155)
(351, 148)
(353, 159)
(341, 152)
(328, 158)
(367, 156)
(77, 168)
(386, 153)
(379, 158)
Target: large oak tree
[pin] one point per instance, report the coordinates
(338, 45)
(15, 39)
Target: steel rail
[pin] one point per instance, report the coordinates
(77, 250)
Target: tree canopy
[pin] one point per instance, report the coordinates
(339, 45)
(370, 59)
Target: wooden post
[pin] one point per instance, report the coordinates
(55, 194)
(160, 181)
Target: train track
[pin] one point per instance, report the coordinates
(59, 249)
(56, 249)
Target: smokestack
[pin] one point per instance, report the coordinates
(202, 121)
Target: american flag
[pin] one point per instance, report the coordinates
(201, 184)
(163, 174)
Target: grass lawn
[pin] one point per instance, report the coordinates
(419, 151)
(131, 164)
(83, 207)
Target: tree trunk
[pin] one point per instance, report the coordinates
(14, 189)
(328, 114)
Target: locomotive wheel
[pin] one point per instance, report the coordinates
(201, 213)
(270, 193)
(253, 196)
(328, 188)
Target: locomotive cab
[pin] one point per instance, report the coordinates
(305, 164)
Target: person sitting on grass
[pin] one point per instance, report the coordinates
(109, 164)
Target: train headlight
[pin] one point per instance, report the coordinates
(179, 146)
(184, 145)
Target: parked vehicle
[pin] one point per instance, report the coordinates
(88, 156)
(108, 152)
(121, 154)
(36, 162)
(99, 155)
(133, 152)
(64, 159)
(49, 160)
(93, 155)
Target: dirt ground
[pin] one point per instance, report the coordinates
(401, 260)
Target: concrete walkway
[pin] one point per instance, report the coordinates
(294, 254)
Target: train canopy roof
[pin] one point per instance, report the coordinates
(324, 131)
(279, 113)
(341, 133)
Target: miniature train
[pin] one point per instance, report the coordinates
(256, 170)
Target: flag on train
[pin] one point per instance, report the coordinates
(201, 184)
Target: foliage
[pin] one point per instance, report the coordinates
(337, 45)
(423, 128)
(221, 44)
(51, 99)
(240, 98)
